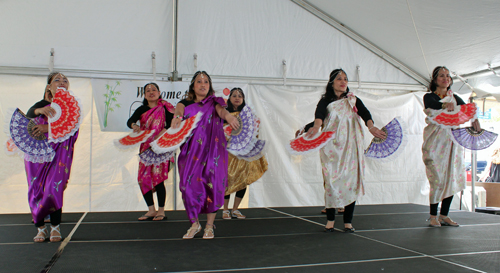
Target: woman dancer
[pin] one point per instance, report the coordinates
(443, 159)
(47, 181)
(342, 158)
(240, 172)
(492, 171)
(153, 114)
(203, 158)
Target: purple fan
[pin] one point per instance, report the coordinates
(36, 149)
(149, 157)
(383, 148)
(256, 152)
(240, 141)
(472, 140)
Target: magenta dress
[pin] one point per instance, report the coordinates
(203, 161)
(152, 175)
(46, 181)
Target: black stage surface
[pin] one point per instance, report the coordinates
(388, 238)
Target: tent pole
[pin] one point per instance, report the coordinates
(90, 144)
(175, 73)
(473, 172)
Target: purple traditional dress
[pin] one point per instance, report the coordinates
(203, 160)
(152, 175)
(46, 181)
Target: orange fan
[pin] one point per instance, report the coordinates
(460, 115)
(67, 119)
(133, 139)
(174, 138)
(303, 145)
(10, 147)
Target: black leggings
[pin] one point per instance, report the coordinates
(348, 213)
(445, 207)
(239, 194)
(55, 219)
(161, 193)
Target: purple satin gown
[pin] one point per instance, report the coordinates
(203, 161)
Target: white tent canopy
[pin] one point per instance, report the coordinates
(283, 50)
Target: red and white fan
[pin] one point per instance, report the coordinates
(174, 138)
(462, 114)
(304, 145)
(133, 139)
(67, 119)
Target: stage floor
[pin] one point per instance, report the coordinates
(388, 238)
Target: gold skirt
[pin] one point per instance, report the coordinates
(241, 173)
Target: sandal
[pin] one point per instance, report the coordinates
(446, 221)
(42, 235)
(55, 238)
(193, 230)
(340, 211)
(226, 215)
(209, 232)
(433, 221)
(237, 214)
(349, 230)
(146, 218)
(159, 217)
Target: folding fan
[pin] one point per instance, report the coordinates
(10, 147)
(174, 138)
(255, 153)
(304, 145)
(133, 139)
(36, 149)
(460, 115)
(383, 148)
(241, 140)
(67, 119)
(473, 140)
(149, 157)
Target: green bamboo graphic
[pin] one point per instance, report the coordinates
(110, 99)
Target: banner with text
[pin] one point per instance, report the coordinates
(116, 100)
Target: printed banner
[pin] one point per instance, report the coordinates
(116, 100)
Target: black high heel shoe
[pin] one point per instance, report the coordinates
(329, 230)
(349, 230)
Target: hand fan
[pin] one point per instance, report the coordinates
(149, 157)
(383, 148)
(10, 147)
(255, 153)
(241, 140)
(174, 138)
(133, 139)
(36, 149)
(473, 140)
(67, 119)
(303, 145)
(460, 115)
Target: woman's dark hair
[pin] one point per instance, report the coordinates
(190, 94)
(145, 101)
(329, 94)
(435, 73)
(50, 77)
(230, 106)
